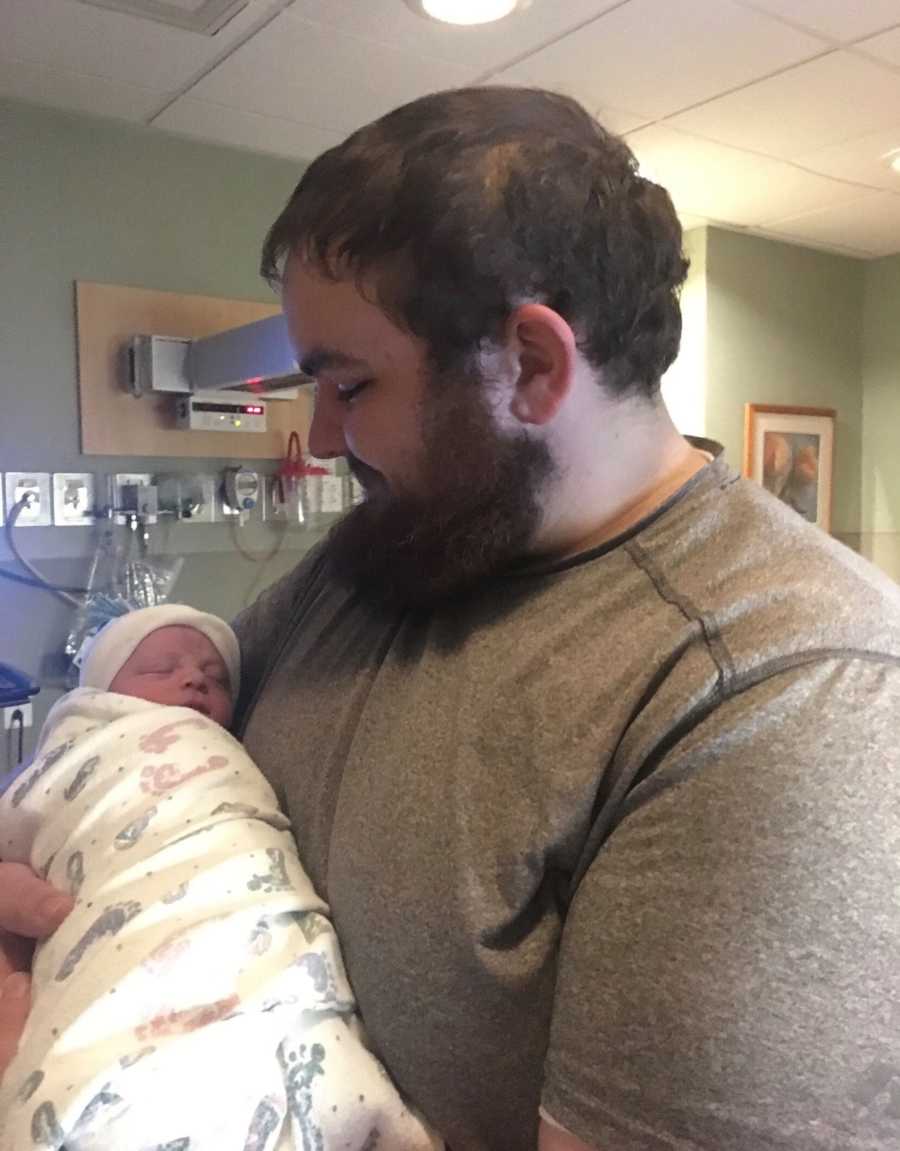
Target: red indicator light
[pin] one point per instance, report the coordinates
(255, 385)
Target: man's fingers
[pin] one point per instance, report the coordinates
(28, 905)
(29, 909)
(16, 954)
(15, 1003)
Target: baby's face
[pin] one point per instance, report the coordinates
(178, 666)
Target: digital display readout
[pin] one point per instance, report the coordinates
(230, 409)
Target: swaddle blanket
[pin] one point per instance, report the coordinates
(195, 999)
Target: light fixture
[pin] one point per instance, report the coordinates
(893, 159)
(466, 12)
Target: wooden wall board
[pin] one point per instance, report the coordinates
(116, 423)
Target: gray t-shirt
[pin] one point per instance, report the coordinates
(619, 836)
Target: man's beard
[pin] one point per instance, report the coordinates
(479, 511)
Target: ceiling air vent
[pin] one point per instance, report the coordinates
(204, 16)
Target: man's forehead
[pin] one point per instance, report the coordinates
(336, 325)
(318, 312)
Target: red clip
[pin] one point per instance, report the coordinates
(294, 467)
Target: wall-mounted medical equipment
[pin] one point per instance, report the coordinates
(188, 346)
(220, 412)
(257, 358)
(188, 497)
(240, 491)
(133, 499)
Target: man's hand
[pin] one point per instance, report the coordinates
(553, 1138)
(30, 909)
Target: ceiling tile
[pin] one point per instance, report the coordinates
(615, 120)
(860, 160)
(728, 185)
(75, 93)
(237, 129)
(885, 47)
(870, 223)
(834, 98)
(843, 20)
(205, 16)
(653, 57)
(318, 76)
(484, 48)
(96, 42)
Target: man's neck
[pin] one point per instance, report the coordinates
(630, 475)
(645, 504)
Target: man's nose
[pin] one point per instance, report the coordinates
(326, 432)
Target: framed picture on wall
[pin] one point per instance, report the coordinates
(790, 451)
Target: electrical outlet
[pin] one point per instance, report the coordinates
(74, 500)
(122, 480)
(37, 486)
(11, 719)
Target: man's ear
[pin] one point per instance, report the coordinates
(543, 346)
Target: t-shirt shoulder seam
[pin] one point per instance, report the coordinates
(730, 682)
(746, 681)
(709, 625)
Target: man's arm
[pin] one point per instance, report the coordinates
(728, 970)
(29, 909)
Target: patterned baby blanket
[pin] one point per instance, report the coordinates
(195, 999)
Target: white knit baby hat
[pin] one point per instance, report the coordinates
(115, 642)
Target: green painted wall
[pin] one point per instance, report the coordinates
(784, 326)
(881, 414)
(881, 397)
(91, 199)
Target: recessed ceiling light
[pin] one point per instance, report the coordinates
(466, 11)
(893, 158)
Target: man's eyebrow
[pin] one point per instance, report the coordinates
(320, 360)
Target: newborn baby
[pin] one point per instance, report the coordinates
(195, 998)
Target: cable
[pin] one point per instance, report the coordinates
(38, 580)
(256, 557)
(27, 581)
(260, 558)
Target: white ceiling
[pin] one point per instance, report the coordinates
(770, 115)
